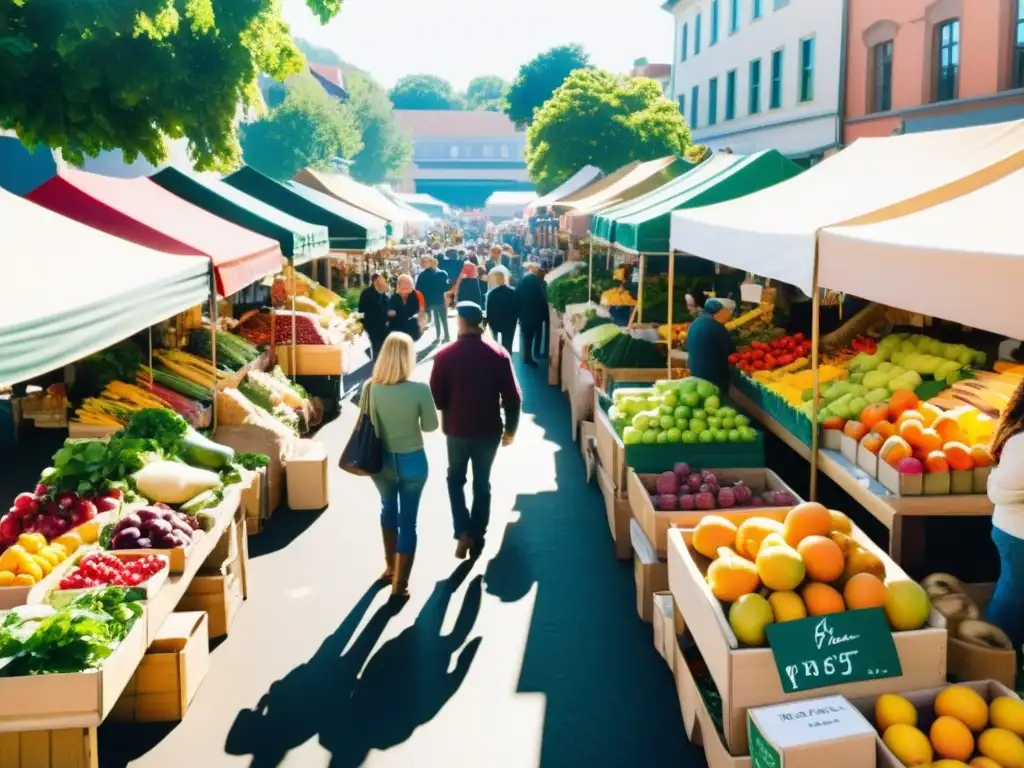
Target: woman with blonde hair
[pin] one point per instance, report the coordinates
(406, 309)
(502, 308)
(401, 411)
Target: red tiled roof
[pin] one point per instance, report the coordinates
(332, 74)
(444, 123)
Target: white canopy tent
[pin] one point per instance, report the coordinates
(574, 183)
(507, 204)
(774, 232)
(961, 260)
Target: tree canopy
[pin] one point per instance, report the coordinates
(424, 92)
(126, 74)
(486, 92)
(539, 78)
(385, 150)
(596, 118)
(307, 129)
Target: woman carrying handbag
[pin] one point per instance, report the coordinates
(400, 411)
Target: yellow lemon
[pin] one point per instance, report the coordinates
(963, 704)
(891, 709)
(1007, 712)
(910, 746)
(1002, 746)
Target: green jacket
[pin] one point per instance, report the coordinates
(709, 345)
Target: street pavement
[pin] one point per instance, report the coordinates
(533, 656)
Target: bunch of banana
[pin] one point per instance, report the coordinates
(115, 405)
(189, 367)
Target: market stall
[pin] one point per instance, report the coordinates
(773, 233)
(583, 177)
(350, 191)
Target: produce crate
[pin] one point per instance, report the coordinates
(656, 523)
(618, 513)
(218, 596)
(310, 359)
(170, 673)
(64, 748)
(748, 677)
(611, 452)
(790, 419)
(610, 379)
(61, 597)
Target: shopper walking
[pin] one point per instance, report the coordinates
(467, 286)
(405, 308)
(373, 306)
(533, 313)
(472, 381)
(433, 285)
(1006, 492)
(502, 310)
(401, 411)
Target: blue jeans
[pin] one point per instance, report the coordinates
(1006, 610)
(478, 453)
(400, 484)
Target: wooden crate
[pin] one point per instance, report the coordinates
(310, 359)
(65, 748)
(219, 596)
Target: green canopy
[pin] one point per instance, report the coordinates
(723, 177)
(300, 241)
(350, 228)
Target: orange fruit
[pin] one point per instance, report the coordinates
(929, 413)
(821, 599)
(902, 400)
(873, 414)
(981, 456)
(959, 456)
(894, 450)
(807, 519)
(712, 532)
(864, 590)
(752, 532)
(873, 443)
(910, 429)
(911, 415)
(833, 422)
(885, 428)
(935, 461)
(822, 557)
(948, 428)
(951, 739)
(855, 429)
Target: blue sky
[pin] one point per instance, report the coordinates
(459, 39)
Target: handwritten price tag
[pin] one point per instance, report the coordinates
(840, 648)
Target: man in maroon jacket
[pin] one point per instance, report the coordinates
(472, 381)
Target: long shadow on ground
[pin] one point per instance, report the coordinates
(352, 710)
(611, 699)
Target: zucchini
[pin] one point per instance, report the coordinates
(201, 452)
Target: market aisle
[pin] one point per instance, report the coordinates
(535, 656)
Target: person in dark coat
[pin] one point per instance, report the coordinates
(708, 344)
(433, 284)
(502, 310)
(533, 313)
(373, 306)
(404, 308)
(468, 286)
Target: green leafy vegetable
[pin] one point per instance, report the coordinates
(166, 428)
(252, 461)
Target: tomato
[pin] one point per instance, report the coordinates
(798, 336)
(734, 358)
(758, 355)
(769, 362)
(759, 365)
(786, 359)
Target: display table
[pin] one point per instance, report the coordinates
(904, 516)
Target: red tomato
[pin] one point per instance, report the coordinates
(734, 358)
(757, 355)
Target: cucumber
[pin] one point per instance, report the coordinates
(201, 452)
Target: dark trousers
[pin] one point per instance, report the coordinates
(478, 453)
(439, 316)
(504, 336)
(376, 342)
(532, 340)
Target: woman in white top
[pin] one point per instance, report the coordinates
(1006, 492)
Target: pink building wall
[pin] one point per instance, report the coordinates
(987, 34)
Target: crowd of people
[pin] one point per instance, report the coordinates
(473, 386)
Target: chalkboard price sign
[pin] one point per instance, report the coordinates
(839, 648)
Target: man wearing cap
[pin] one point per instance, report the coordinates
(472, 381)
(709, 344)
(433, 284)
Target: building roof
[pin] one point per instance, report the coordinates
(451, 123)
(332, 79)
(653, 71)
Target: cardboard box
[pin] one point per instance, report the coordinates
(219, 597)
(898, 483)
(686, 690)
(867, 461)
(748, 677)
(170, 673)
(656, 524)
(310, 359)
(832, 439)
(64, 748)
(651, 575)
(570, 363)
(306, 476)
(848, 448)
(588, 449)
(610, 449)
(255, 496)
(961, 481)
(924, 702)
(581, 399)
(618, 513)
(664, 626)
(967, 661)
(555, 358)
(981, 479)
(809, 734)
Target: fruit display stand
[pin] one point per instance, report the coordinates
(747, 677)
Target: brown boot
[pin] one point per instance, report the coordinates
(390, 537)
(403, 567)
(462, 548)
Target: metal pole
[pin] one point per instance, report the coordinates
(151, 358)
(671, 296)
(295, 354)
(816, 386)
(640, 291)
(213, 345)
(590, 272)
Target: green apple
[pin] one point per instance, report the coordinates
(667, 422)
(673, 435)
(666, 411)
(706, 389)
(632, 436)
(742, 421)
(683, 424)
(700, 413)
(698, 425)
(689, 437)
(671, 399)
(728, 422)
(713, 402)
(662, 438)
(735, 436)
(707, 436)
(726, 412)
(747, 435)
(650, 437)
(692, 399)
(641, 421)
(685, 412)
(714, 422)
(721, 436)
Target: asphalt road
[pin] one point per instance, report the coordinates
(534, 656)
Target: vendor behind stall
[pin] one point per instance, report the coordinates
(709, 344)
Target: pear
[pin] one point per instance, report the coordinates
(731, 576)
(748, 618)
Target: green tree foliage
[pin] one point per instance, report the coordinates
(539, 78)
(124, 74)
(424, 92)
(600, 119)
(307, 129)
(317, 54)
(486, 92)
(385, 149)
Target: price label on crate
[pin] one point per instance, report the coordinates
(829, 650)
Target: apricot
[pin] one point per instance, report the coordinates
(894, 450)
(752, 532)
(936, 462)
(885, 428)
(948, 428)
(951, 739)
(873, 414)
(864, 590)
(840, 522)
(902, 400)
(981, 456)
(929, 413)
(711, 533)
(807, 519)
(821, 599)
(873, 443)
(822, 558)
(959, 456)
(855, 429)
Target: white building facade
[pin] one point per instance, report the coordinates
(751, 75)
